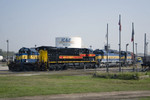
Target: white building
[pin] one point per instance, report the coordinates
(69, 42)
(1, 58)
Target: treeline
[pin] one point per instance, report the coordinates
(4, 53)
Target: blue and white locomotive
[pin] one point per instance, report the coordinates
(25, 59)
(113, 57)
(27, 55)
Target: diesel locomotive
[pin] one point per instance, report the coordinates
(52, 58)
(113, 57)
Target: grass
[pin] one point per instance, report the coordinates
(144, 98)
(18, 86)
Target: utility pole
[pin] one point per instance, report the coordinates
(107, 50)
(7, 49)
(132, 39)
(136, 48)
(119, 43)
(145, 47)
(126, 53)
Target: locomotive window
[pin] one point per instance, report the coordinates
(117, 52)
(90, 51)
(111, 51)
(98, 52)
(86, 51)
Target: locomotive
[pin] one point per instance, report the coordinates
(52, 58)
(113, 57)
(25, 59)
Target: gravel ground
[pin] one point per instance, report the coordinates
(3, 66)
(121, 95)
(4, 70)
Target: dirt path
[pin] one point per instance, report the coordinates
(122, 95)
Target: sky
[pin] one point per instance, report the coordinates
(26, 23)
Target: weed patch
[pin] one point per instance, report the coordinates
(123, 76)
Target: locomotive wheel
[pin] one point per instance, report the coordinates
(10, 66)
(57, 68)
(64, 67)
(42, 67)
(52, 67)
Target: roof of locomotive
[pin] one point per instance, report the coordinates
(53, 48)
(44, 47)
(103, 51)
(24, 49)
(109, 51)
(33, 50)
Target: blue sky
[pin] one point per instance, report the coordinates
(26, 23)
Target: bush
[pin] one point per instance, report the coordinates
(124, 76)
